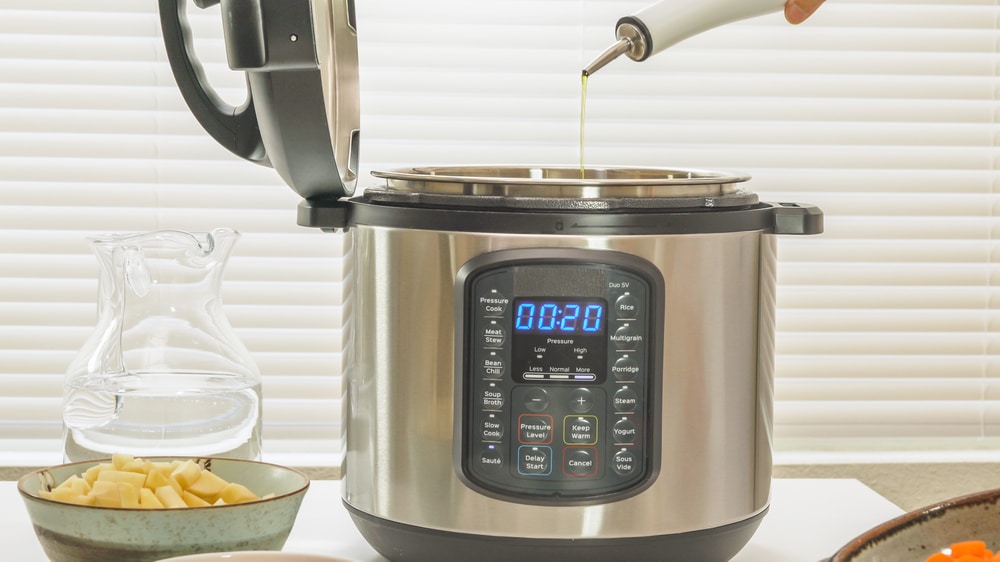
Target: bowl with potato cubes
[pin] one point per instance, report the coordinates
(130, 509)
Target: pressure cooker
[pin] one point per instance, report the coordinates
(541, 362)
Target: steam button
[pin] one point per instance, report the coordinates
(625, 400)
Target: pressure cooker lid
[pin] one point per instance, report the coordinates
(591, 188)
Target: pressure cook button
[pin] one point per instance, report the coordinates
(492, 398)
(581, 400)
(579, 461)
(624, 431)
(536, 400)
(627, 307)
(625, 400)
(493, 304)
(534, 461)
(493, 366)
(493, 428)
(624, 462)
(625, 369)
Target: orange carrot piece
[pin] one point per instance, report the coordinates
(968, 548)
(939, 557)
(968, 558)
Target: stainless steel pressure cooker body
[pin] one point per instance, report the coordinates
(550, 367)
(542, 363)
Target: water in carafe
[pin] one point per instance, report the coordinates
(163, 373)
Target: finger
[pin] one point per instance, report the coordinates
(797, 11)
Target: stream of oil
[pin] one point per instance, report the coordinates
(583, 119)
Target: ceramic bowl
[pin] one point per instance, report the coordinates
(256, 557)
(78, 533)
(916, 535)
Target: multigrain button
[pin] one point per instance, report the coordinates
(626, 338)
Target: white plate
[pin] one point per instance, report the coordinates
(256, 556)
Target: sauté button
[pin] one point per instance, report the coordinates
(490, 457)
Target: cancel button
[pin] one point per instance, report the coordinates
(579, 461)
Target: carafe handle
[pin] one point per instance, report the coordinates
(235, 128)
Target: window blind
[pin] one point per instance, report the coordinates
(882, 113)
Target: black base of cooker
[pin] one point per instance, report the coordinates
(401, 542)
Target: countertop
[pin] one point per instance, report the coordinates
(809, 520)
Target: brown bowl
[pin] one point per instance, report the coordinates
(914, 536)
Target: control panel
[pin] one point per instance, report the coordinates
(558, 373)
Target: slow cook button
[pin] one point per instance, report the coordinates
(493, 428)
(624, 462)
(624, 431)
(579, 461)
(534, 461)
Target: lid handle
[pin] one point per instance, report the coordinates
(235, 128)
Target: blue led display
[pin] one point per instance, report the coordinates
(559, 316)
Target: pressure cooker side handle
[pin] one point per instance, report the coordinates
(235, 128)
(797, 218)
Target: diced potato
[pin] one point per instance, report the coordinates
(136, 483)
(169, 498)
(148, 499)
(135, 479)
(237, 493)
(208, 487)
(186, 473)
(192, 500)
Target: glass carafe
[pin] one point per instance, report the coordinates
(163, 373)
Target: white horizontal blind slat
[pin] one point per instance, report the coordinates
(882, 113)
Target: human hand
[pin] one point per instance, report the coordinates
(797, 11)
